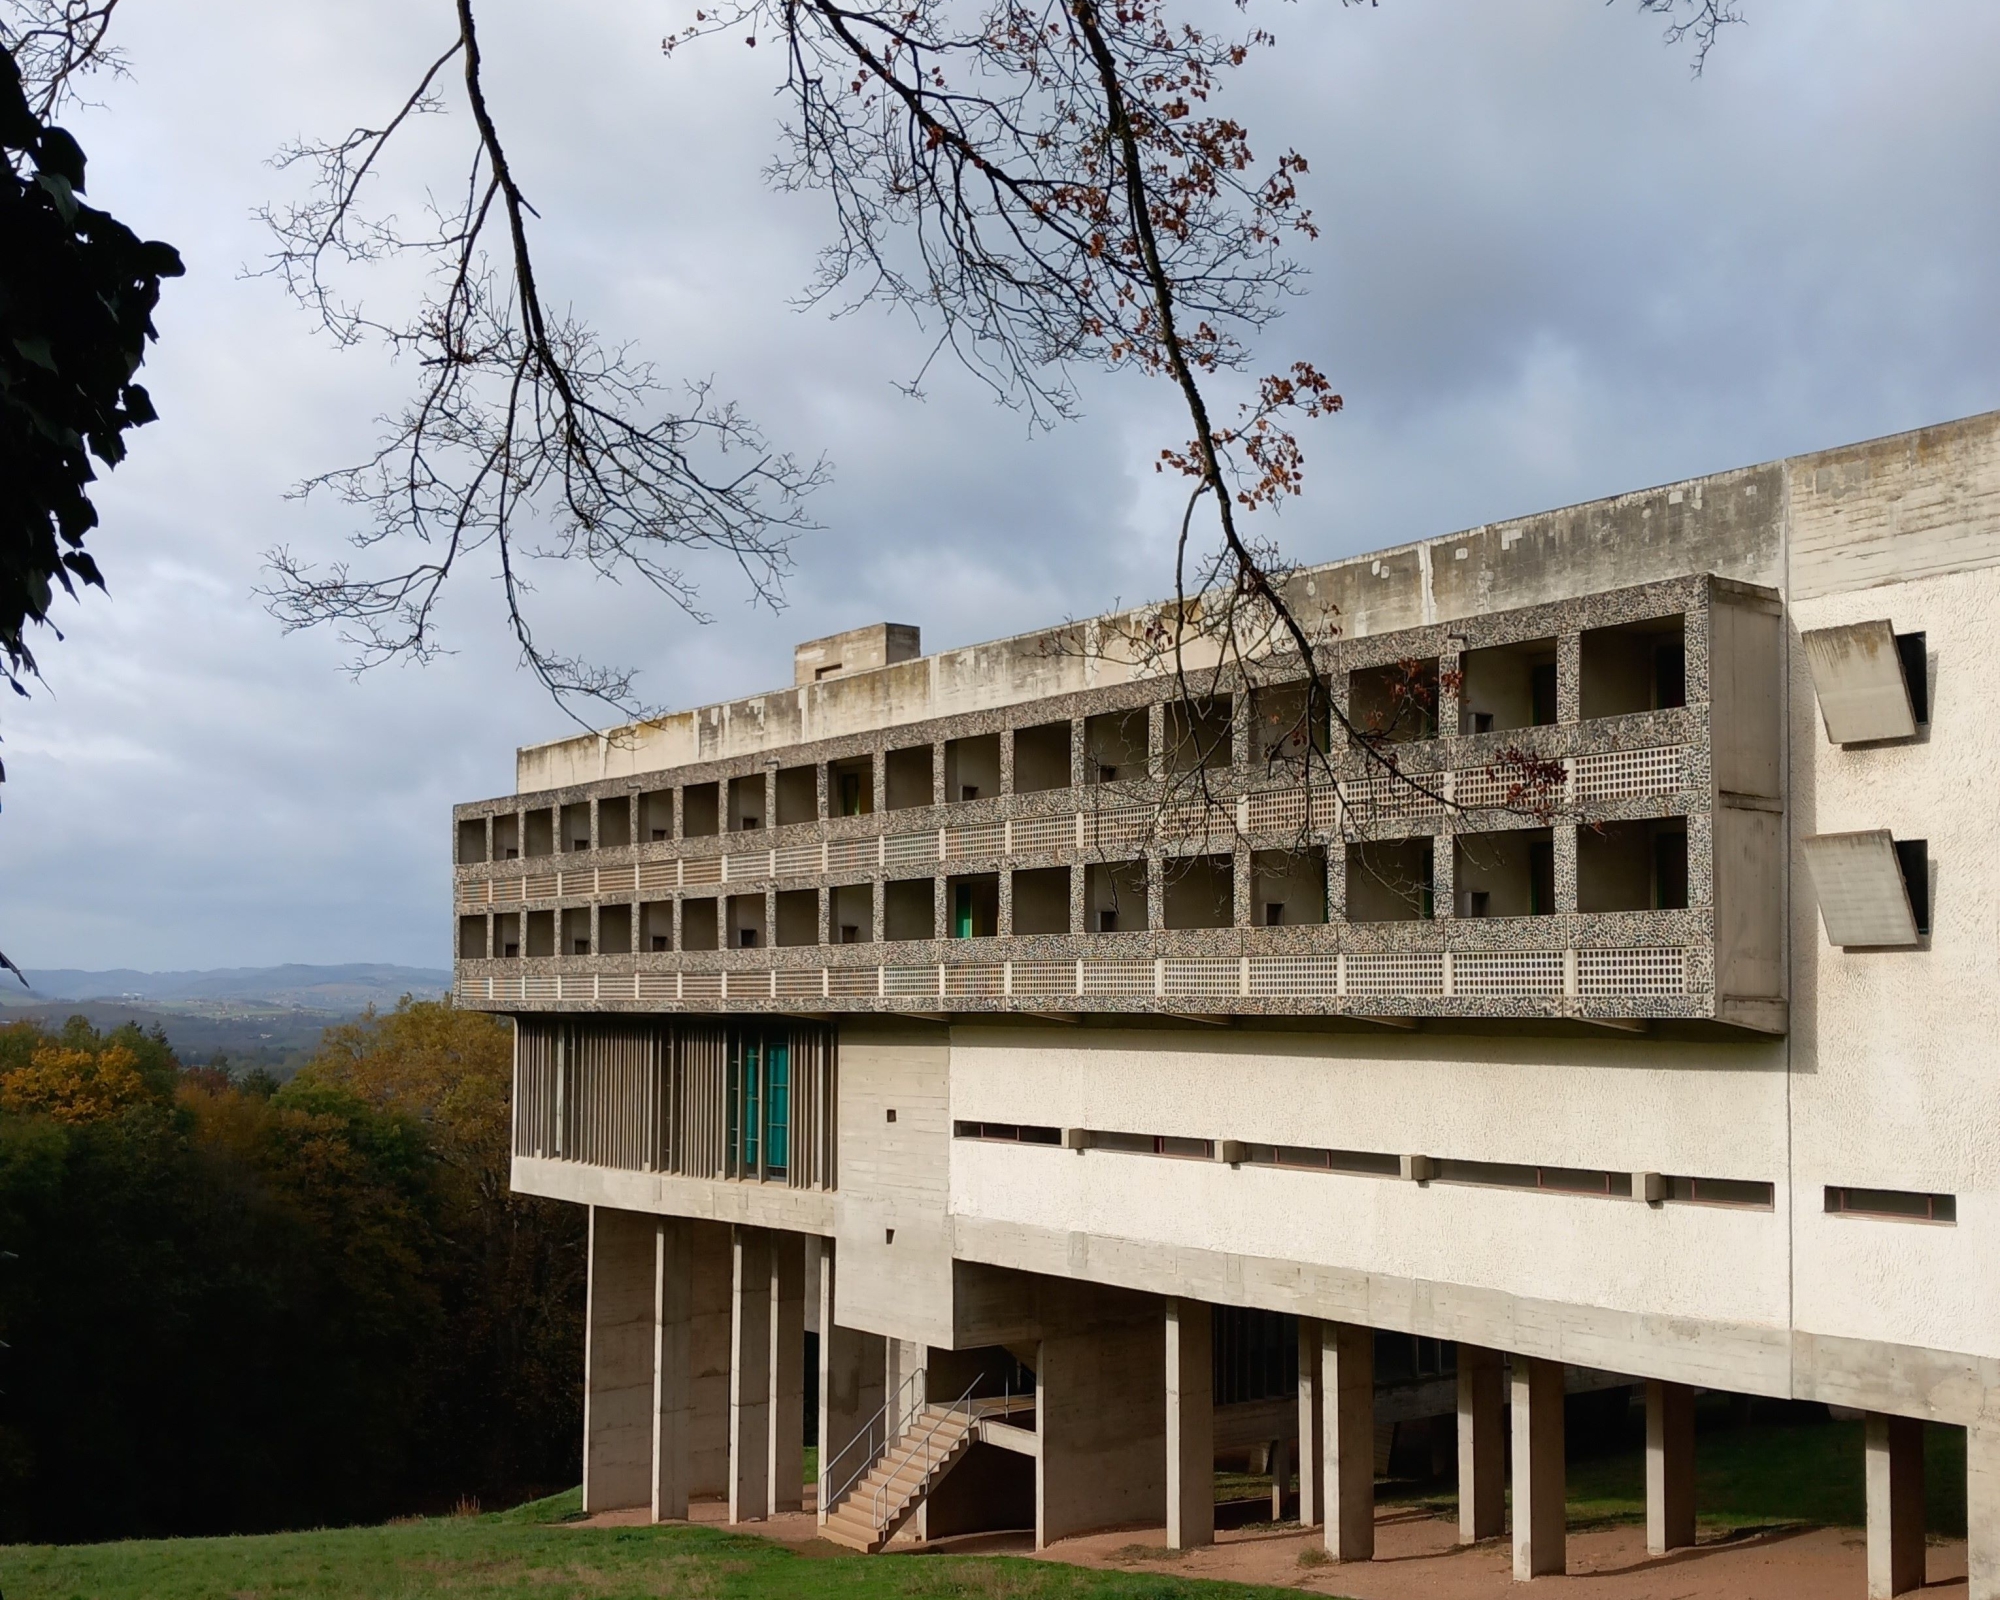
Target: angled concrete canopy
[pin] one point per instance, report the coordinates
(1858, 676)
(1862, 897)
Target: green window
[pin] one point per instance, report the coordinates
(759, 1096)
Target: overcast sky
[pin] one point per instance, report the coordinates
(1553, 267)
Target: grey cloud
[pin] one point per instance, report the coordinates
(1552, 268)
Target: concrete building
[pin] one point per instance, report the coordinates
(1046, 1034)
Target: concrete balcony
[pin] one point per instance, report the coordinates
(1607, 967)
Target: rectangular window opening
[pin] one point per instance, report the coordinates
(1115, 746)
(909, 778)
(1154, 1144)
(1390, 880)
(1360, 1163)
(1551, 1180)
(1041, 758)
(1395, 703)
(1720, 1192)
(1007, 1132)
(1898, 1205)
(1633, 667)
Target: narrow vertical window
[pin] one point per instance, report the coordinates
(752, 1107)
(777, 1107)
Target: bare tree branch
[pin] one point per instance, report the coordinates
(1697, 20)
(57, 42)
(1051, 182)
(528, 438)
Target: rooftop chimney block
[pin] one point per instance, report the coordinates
(881, 644)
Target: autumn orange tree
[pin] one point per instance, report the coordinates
(228, 1305)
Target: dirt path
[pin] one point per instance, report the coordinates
(1417, 1559)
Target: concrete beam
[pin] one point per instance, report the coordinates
(1312, 1411)
(749, 1375)
(1540, 1475)
(618, 1397)
(1669, 1466)
(1190, 1400)
(1895, 1458)
(1347, 1376)
(1482, 1444)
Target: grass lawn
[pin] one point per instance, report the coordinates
(527, 1554)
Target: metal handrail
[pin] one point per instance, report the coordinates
(879, 1512)
(827, 1497)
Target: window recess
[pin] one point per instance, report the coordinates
(1007, 1132)
(1898, 1205)
(1552, 1180)
(1370, 1163)
(1152, 1144)
(1719, 1192)
(758, 1107)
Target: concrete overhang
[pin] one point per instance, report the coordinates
(1857, 673)
(1863, 899)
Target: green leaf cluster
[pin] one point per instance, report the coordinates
(77, 293)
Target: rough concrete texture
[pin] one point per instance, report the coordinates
(618, 1362)
(1101, 1418)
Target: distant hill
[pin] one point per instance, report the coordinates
(278, 1041)
(340, 990)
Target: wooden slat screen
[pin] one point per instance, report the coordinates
(651, 1096)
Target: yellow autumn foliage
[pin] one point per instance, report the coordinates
(73, 1085)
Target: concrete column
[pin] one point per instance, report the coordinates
(618, 1362)
(1281, 1477)
(1312, 1466)
(1669, 1466)
(710, 1333)
(1563, 839)
(1540, 1478)
(851, 1368)
(1895, 1454)
(1982, 1513)
(1482, 1445)
(786, 1439)
(1190, 1425)
(673, 1401)
(1569, 679)
(750, 1374)
(1347, 1376)
(1100, 1412)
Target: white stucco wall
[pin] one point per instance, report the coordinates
(1896, 1053)
(1619, 1105)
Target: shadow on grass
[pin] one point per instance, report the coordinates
(1783, 1470)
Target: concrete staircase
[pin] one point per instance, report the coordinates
(868, 1516)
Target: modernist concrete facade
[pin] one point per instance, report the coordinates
(1024, 1021)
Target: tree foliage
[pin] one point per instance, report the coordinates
(77, 292)
(231, 1309)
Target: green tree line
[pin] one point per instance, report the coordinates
(231, 1306)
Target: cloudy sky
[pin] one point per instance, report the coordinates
(1553, 267)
